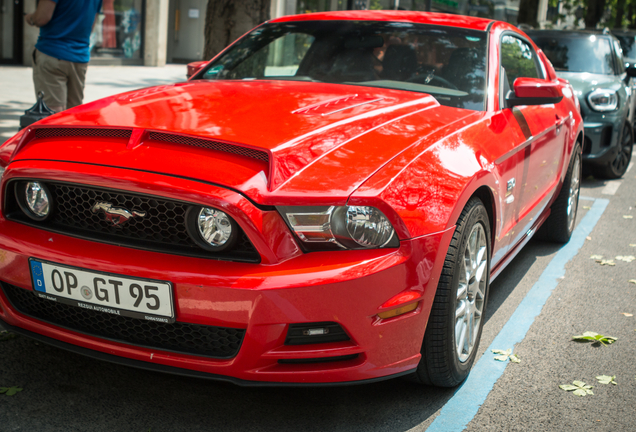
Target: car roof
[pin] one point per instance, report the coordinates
(621, 32)
(580, 33)
(441, 19)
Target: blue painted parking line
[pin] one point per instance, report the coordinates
(465, 403)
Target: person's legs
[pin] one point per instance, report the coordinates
(76, 79)
(49, 78)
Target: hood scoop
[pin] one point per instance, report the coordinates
(135, 136)
(335, 105)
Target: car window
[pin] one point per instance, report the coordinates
(620, 61)
(628, 44)
(578, 53)
(447, 63)
(518, 59)
(280, 58)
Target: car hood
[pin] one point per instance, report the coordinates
(583, 83)
(296, 125)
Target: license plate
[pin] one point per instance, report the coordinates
(103, 292)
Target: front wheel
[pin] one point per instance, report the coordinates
(457, 316)
(617, 167)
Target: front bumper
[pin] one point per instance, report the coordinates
(347, 287)
(602, 137)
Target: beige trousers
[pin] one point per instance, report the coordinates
(61, 81)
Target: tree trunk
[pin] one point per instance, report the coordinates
(528, 10)
(620, 13)
(227, 20)
(631, 11)
(594, 13)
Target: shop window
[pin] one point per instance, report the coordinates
(118, 30)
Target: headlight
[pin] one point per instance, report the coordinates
(340, 227)
(211, 228)
(34, 199)
(603, 100)
(368, 226)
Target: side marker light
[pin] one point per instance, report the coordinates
(399, 311)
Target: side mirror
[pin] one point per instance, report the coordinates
(630, 68)
(195, 67)
(533, 91)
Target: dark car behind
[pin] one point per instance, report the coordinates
(592, 62)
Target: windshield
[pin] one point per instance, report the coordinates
(591, 54)
(629, 46)
(448, 63)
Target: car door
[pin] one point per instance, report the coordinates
(540, 154)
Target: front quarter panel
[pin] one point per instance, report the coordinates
(429, 187)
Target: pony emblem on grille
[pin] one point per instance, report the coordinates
(116, 215)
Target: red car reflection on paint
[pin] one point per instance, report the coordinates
(326, 201)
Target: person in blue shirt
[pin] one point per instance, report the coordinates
(61, 54)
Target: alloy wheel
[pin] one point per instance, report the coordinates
(471, 292)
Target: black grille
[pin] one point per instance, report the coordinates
(86, 132)
(587, 146)
(218, 342)
(162, 229)
(210, 144)
(606, 136)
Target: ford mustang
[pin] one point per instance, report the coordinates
(324, 202)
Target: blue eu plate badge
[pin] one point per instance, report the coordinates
(38, 276)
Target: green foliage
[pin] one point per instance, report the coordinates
(589, 336)
(10, 391)
(5, 335)
(579, 388)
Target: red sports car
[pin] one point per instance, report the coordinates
(326, 201)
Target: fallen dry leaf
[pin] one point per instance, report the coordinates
(628, 217)
(632, 281)
(606, 262)
(632, 244)
(627, 314)
(587, 207)
(588, 238)
(596, 257)
(626, 258)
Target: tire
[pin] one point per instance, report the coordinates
(560, 224)
(616, 168)
(446, 360)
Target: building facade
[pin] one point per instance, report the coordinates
(153, 32)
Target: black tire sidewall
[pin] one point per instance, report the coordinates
(442, 367)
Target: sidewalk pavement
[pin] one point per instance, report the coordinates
(17, 94)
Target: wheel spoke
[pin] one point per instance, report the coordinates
(471, 331)
(461, 310)
(461, 337)
(462, 291)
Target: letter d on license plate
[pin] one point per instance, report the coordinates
(103, 292)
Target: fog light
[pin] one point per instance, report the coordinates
(211, 228)
(399, 311)
(34, 199)
(316, 331)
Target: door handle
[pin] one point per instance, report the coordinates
(558, 123)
